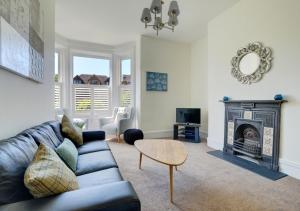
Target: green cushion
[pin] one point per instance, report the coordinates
(68, 153)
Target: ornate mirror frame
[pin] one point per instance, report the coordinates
(265, 55)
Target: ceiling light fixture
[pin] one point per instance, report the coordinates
(156, 9)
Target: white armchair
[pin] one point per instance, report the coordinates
(120, 121)
(82, 123)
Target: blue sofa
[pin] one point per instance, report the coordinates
(101, 186)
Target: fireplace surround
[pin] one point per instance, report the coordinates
(252, 130)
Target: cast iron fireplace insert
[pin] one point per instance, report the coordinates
(247, 138)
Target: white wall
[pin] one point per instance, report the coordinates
(25, 103)
(158, 109)
(275, 23)
(198, 88)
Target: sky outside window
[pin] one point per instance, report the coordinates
(125, 71)
(56, 67)
(126, 67)
(56, 63)
(85, 65)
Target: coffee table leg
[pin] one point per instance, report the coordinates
(140, 164)
(176, 168)
(171, 182)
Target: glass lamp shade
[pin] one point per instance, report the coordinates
(146, 16)
(173, 9)
(156, 6)
(157, 24)
(173, 21)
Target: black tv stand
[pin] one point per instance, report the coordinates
(187, 132)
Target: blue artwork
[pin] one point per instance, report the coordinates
(157, 81)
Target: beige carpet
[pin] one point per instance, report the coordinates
(204, 182)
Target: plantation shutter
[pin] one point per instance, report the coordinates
(125, 96)
(101, 99)
(91, 98)
(57, 96)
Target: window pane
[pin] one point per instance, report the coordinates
(93, 71)
(56, 67)
(125, 71)
(125, 89)
(88, 72)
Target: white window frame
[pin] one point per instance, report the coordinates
(95, 55)
(60, 80)
(121, 86)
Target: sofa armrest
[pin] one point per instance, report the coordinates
(93, 135)
(118, 196)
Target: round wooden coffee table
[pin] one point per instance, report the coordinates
(168, 152)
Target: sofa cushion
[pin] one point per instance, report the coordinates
(16, 153)
(95, 161)
(93, 146)
(68, 153)
(99, 178)
(44, 134)
(116, 196)
(47, 174)
(71, 131)
(56, 126)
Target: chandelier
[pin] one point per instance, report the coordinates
(156, 9)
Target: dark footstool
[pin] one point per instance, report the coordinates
(131, 135)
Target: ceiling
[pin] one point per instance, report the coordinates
(114, 22)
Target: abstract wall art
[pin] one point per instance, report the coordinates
(157, 81)
(22, 38)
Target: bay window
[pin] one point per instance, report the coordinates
(89, 83)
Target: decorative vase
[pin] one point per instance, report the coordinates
(278, 97)
(225, 98)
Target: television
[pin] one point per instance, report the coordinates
(188, 115)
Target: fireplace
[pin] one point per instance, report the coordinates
(252, 131)
(247, 138)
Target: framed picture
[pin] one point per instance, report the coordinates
(22, 38)
(157, 81)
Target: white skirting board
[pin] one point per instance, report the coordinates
(214, 144)
(158, 134)
(166, 134)
(288, 167)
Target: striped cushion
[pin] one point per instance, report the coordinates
(48, 175)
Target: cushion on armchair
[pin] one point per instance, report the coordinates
(122, 113)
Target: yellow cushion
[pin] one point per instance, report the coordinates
(47, 175)
(71, 132)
